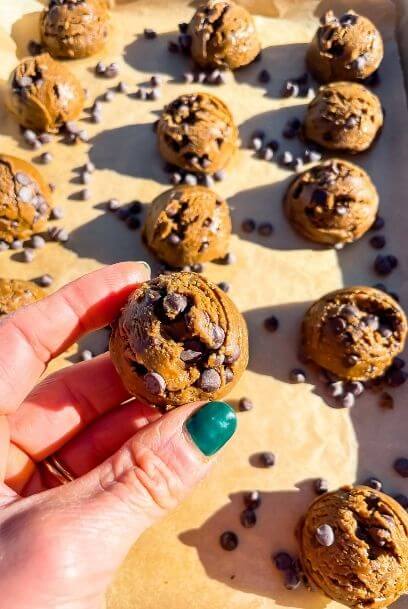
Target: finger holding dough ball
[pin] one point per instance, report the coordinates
(43, 94)
(72, 29)
(344, 116)
(354, 547)
(17, 293)
(333, 202)
(354, 333)
(345, 48)
(25, 200)
(197, 133)
(179, 339)
(188, 224)
(223, 35)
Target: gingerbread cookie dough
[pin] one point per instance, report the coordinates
(354, 333)
(188, 224)
(25, 200)
(334, 202)
(16, 293)
(43, 94)
(223, 35)
(354, 547)
(72, 29)
(345, 48)
(197, 133)
(344, 116)
(179, 339)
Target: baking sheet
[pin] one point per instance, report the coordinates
(179, 563)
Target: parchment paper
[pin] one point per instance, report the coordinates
(179, 564)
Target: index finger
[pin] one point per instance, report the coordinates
(32, 336)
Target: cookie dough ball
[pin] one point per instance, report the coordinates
(354, 332)
(43, 94)
(354, 547)
(348, 48)
(188, 224)
(223, 35)
(25, 200)
(179, 339)
(16, 293)
(197, 133)
(344, 116)
(74, 28)
(333, 202)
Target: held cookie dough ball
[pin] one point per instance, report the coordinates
(354, 547)
(333, 202)
(179, 339)
(188, 224)
(74, 28)
(197, 133)
(354, 332)
(344, 116)
(43, 94)
(16, 293)
(348, 48)
(223, 35)
(25, 200)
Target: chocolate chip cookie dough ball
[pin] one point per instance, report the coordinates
(344, 116)
(43, 94)
(179, 339)
(25, 200)
(354, 547)
(73, 29)
(348, 48)
(223, 35)
(188, 224)
(331, 203)
(354, 333)
(197, 133)
(16, 293)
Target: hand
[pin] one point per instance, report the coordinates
(60, 544)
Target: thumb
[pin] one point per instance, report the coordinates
(152, 472)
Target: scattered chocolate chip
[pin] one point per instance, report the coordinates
(348, 19)
(265, 229)
(245, 404)
(267, 459)
(286, 158)
(190, 179)
(219, 175)
(336, 388)
(377, 242)
(252, 500)
(248, 518)
(290, 89)
(264, 76)
(57, 213)
(45, 138)
(297, 164)
(374, 483)
(398, 363)
(4, 246)
(155, 383)
(133, 222)
(312, 156)
(34, 48)
(37, 242)
(266, 154)
(189, 355)
(224, 286)
(395, 377)
(271, 323)
(229, 375)
(386, 401)
(292, 580)
(297, 376)
(283, 561)
(122, 87)
(16, 244)
(229, 541)
(209, 380)
(45, 280)
(29, 136)
(86, 355)
(248, 226)
(273, 145)
(174, 304)
(58, 234)
(378, 224)
(348, 400)
(173, 47)
(355, 387)
(401, 466)
(173, 239)
(325, 535)
(113, 204)
(320, 486)
(112, 70)
(149, 34)
(402, 500)
(28, 255)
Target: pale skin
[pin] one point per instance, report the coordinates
(60, 545)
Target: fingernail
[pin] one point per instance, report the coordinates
(212, 426)
(147, 267)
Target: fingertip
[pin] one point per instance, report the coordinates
(133, 272)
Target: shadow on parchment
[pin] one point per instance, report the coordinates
(25, 29)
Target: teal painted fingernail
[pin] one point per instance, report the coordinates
(212, 426)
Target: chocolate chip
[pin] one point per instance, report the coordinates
(46, 158)
(28, 255)
(109, 96)
(271, 323)
(229, 541)
(149, 34)
(37, 242)
(396, 378)
(133, 222)
(348, 19)
(45, 280)
(209, 380)
(112, 70)
(248, 518)
(297, 376)
(292, 580)
(337, 324)
(402, 500)
(320, 486)
(401, 466)
(224, 286)
(233, 354)
(312, 156)
(286, 158)
(283, 561)
(325, 535)
(248, 226)
(122, 87)
(173, 239)
(264, 76)
(252, 500)
(229, 258)
(348, 400)
(355, 387)
(229, 375)
(100, 68)
(336, 388)
(374, 483)
(386, 401)
(377, 242)
(398, 363)
(190, 179)
(86, 355)
(189, 355)
(265, 229)
(155, 383)
(173, 47)
(273, 145)
(57, 213)
(384, 265)
(197, 267)
(4, 246)
(359, 63)
(113, 204)
(267, 459)
(174, 304)
(219, 175)
(349, 312)
(266, 154)
(351, 360)
(16, 244)
(290, 89)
